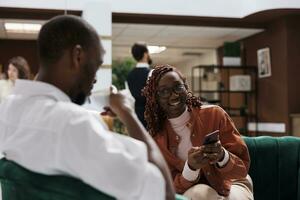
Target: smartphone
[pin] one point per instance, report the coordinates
(211, 137)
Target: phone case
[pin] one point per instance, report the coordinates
(211, 137)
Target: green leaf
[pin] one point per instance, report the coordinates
(120, 71)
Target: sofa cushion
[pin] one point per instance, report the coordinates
(20, 184)
(274, 167)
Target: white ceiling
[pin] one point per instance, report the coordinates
(178, 39)
(201, 8)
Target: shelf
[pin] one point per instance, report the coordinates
(231, 108)
(226, 67)
(229, 100)
(244, 116)
(211, 101)
(222, 91)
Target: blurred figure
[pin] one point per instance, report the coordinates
(137, 78)
(18, 68)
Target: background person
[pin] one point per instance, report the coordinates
(18, 68)
(137, 78)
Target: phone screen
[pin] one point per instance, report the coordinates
(211, 137)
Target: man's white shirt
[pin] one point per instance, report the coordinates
(43, 131)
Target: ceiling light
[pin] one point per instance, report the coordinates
(22, 27)
(156, 49)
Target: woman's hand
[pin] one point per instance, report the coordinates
(196, 158)
(199, 157)
(214, 152)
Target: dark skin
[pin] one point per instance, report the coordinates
(70, 72)
(146, 59)
(174, 105)
(74, 73)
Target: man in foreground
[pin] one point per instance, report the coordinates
(44, 129)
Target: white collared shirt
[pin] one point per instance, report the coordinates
(140, 65)
(42, 130)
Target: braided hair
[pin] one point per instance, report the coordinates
(154, 114)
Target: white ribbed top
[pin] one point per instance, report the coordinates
(180, 128)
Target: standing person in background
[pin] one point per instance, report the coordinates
(137, 78)
(179, 122)
(18, 68)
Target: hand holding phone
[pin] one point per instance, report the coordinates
(211, 137)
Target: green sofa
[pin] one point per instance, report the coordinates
(17, 183)
(275, 171)
(275, 167)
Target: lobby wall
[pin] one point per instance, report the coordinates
(278, 95)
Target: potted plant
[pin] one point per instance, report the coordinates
(120, 71)
(232, 54)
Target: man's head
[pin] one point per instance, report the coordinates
(70, 54)
(141, 53)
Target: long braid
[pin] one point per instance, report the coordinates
(154, 115)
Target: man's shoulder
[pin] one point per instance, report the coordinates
(72, 116)
(71, 108)
(137, 76)
(139, 70)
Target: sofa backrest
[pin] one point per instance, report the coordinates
(275, 167)
(17, 183)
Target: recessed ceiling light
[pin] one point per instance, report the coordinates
(156, 49)
(22, 27)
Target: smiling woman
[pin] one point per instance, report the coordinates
(179, 122)
(167, 94)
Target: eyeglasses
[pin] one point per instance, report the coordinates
(166, 92)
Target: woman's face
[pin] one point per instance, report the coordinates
(12, 72)
(172, 94)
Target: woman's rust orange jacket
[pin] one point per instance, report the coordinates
(203, 121)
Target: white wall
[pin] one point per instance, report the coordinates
(213, 8)
(98, 14)
(209, 58)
